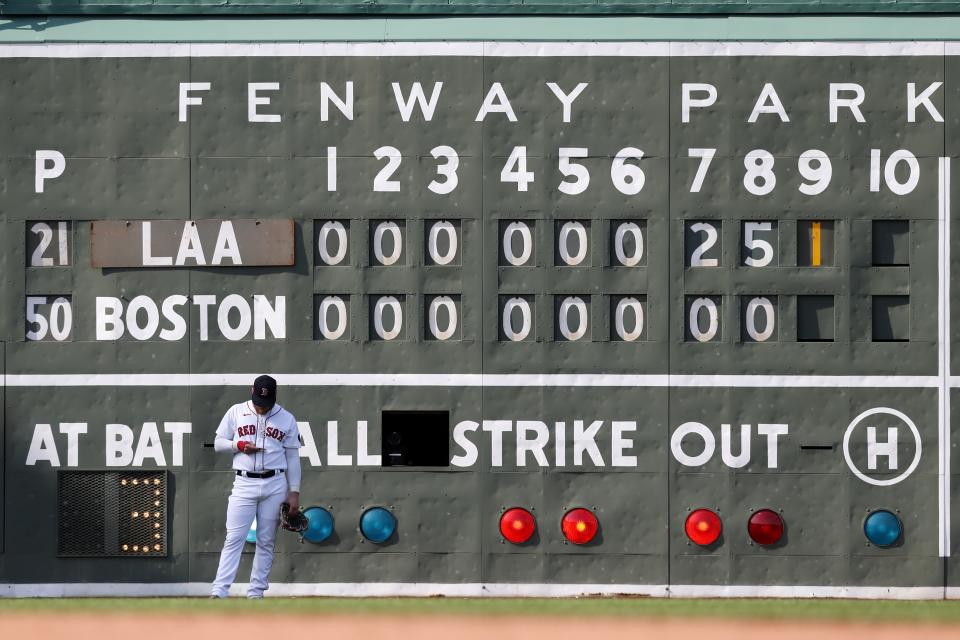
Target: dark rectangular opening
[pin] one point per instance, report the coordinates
(891, 243)
(815, 319)
(415, 439)
(891, 318)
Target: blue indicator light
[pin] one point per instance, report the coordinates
(377, 524)
(320, 525)
(882, 528)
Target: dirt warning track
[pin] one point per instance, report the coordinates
(343, 627)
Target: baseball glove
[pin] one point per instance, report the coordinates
(296, 521)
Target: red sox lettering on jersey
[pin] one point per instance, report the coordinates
(272, 433)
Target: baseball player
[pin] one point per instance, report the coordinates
(263, 438)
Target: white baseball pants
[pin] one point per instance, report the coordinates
(251, 497)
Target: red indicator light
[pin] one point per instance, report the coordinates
(579, 526)
(765, 527)
(703, 527)
(517, 525)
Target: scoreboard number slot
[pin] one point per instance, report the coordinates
(516, 318)
(387, 242)
(572, 317)
(816, 318)
(517, 243)
(443, 242)
(628, 318)
(759, 318)
(573, 246)
(758, 243)
(890, 243)
(333, 317)
(890, 318)
(48, 243)
(388, 317)
(707, 233)
(333, 243)
(815, 243)
(49, 318)
(628, 243)
(703, 318)
(443, 313)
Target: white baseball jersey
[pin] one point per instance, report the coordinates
(274, 432)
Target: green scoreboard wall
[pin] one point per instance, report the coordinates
(643, 279)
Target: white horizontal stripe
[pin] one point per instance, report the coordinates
(104, 590)
(475, 49)
(96, 50)
(497, 590)
(850, 382)
(807, 48)
(777, 591)
(334, 49)
(466, 380)
(576, 49)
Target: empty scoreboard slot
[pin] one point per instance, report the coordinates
(891, 243)
(815, 319)
(415, 438)
(891, 318)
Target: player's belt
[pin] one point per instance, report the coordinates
(254, 474)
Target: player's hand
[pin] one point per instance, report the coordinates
(248, 447)
(293, 499)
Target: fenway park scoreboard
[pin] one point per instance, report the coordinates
(657, 318)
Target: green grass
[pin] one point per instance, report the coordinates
(850, 610)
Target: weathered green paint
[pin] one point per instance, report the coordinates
(129, 157)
